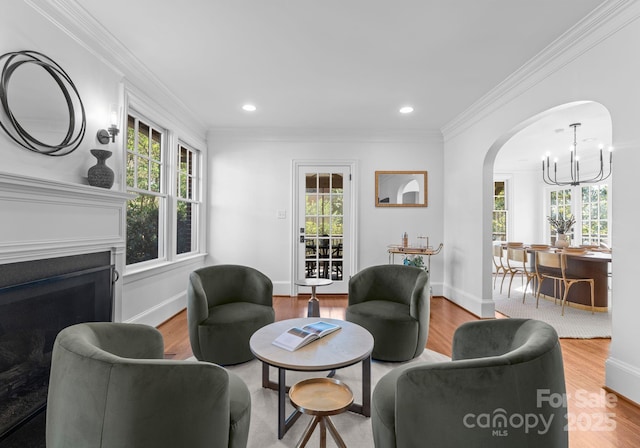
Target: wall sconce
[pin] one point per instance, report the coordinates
(104, 135)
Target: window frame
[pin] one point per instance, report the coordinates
(194, 200)
(168, 194)
(504, 210)
(575, 206)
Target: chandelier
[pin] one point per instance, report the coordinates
(574, 166)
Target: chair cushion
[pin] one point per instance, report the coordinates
(236, 312)
(394, 331)
(224, 335)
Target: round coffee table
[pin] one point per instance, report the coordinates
(313, 309)
(349, 345)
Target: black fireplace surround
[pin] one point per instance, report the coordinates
(37, 300)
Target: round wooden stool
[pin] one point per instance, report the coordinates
(321, 397)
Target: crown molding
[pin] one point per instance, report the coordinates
(604, 21)
(72, 19)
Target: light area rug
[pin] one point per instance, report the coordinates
(575, 324)
(355, 429)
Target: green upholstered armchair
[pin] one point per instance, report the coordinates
(392, 302)
(226, 304)
(111, 388)
(503, 388)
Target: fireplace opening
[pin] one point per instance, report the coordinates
(37, 300)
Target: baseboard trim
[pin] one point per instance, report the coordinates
(475, 305)
(161, 312)
(622, 379)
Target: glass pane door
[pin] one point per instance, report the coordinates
(323, 226)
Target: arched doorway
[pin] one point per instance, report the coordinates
(516, 160)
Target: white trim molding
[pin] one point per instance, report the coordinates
(602, 22)
(623, 378)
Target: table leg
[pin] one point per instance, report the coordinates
(365, 407)
(366, 387)
(282, 424)
(265, 375)
(313, 309)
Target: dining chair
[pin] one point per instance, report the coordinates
(499, 267)
(518, 263)
(552, 265)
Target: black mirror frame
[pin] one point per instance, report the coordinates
(9, 123)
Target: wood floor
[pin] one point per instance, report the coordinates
(593, 421)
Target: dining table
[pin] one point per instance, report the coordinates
(590, 263)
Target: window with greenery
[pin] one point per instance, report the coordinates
(187, 205)
(499, 211)
(145, 178)
(595, 214)
(559, 205)
(590, 207)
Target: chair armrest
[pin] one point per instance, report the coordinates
(359, 287)
(119, 339)
(420, 298)
(197, 311)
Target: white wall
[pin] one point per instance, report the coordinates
(526, 214)
(597, 68)
(22, 28)
(149, 297)
(250, 174)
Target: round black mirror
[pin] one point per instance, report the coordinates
(41, 108)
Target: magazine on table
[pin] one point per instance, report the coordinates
(297, 337)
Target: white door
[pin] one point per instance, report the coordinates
(323, 233)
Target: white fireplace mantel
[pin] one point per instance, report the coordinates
(42, 218)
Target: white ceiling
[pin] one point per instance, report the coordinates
(553, 134)
(334, 64)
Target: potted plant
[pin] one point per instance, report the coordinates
(414, 260)
(563, 226)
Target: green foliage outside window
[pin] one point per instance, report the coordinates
(144, 173)
(183, 230)
(142, 229)
(499, 222)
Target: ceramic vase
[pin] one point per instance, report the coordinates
(562, 240)
(100, 175)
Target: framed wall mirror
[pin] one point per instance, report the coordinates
(401, 188)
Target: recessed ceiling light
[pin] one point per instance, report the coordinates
(249, 108)
(406, 110)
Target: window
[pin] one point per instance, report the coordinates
(499, 211)
(589, 205)
(187, 206)
(145, 170)
(559, 205)
(164, 215)
(595, 211)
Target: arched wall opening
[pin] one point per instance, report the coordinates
(516, 152)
